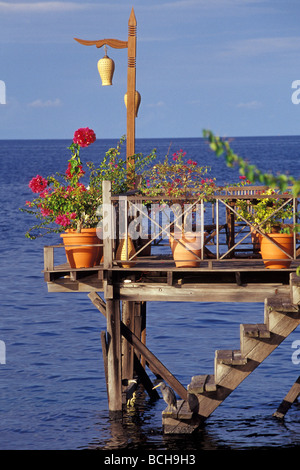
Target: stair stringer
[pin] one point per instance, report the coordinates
(281, 318)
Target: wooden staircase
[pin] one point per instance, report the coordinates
(231, 367)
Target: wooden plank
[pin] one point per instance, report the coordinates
(181, 422)
(145, 380)
(156, 365)
(289, 399)
(199, 293)
(258, 330)
(202, 383)
(197, 384)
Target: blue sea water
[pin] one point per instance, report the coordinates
(52, 385)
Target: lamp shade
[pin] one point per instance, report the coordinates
(137, 102)
(106, 68)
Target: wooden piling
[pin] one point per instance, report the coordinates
(114, 356)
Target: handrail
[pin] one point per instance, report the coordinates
(220, 224)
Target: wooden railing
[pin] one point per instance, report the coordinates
(228, 234)
(219, 218)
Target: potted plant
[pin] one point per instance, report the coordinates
(269, 217)
(183, 181)
(63, 204)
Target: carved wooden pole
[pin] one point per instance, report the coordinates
(131, 78)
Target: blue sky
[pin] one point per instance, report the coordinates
(225, 65)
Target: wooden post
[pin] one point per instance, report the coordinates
(127, 349)
(231, 229)
(114, 356)
(131, 79)
(108, 225)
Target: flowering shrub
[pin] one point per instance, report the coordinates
(64, 202)
(179, 177)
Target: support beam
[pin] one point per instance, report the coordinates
(156, 365)
(289, 399)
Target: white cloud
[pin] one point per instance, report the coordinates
(258, 46)
(45, 104)
(159, 104)
(203, 4)
(30, 7)
(250, 105)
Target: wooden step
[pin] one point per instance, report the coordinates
(295, 288)
(276, 308)
(182, 420)
(226, 359)
(258, 330)
(282, 303)
(202, 383)
(230, 357)
(250, 336)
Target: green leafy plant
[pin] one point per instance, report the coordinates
(124, 175)
(268, 213)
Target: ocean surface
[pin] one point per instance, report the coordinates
(52, 385)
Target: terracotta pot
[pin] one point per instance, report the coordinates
(78, 255)
(271, 252)
(186, 252)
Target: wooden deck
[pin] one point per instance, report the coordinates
(156, 278)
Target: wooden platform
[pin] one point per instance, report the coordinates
(156, 278)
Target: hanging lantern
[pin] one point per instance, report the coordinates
(137, 102)
(106, 68)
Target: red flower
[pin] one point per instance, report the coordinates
(45, 212)
(38, 184)
(81, 187)
(80, 171)
(65, 219)
(84, 137)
